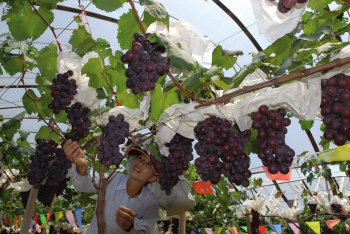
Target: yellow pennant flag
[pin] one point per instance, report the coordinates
(341, 153)
(58, 216)
(19, 220)
(218, 230)
(315, 226)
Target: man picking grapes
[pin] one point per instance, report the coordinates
(129, 205)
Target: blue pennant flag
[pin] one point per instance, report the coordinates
(78, 215)
(31, 225)
(277, 228)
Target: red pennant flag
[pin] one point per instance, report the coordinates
(233, 230)
(202, 187)
(35, 222)
(332, 223)
(262, 229)
(279, 175)
(8, 220)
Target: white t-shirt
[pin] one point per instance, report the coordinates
(145, 205)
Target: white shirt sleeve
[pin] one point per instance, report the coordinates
(84, 183)
(148, 222)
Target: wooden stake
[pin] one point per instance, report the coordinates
(182, 223)
(29, 209)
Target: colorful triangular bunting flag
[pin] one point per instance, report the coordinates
(315, 226)
(277, 228)
(233, 230)
(209, 230)
(244, 228)
(332, 223)
(262, 229)
(294, 227)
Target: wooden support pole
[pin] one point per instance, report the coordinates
(279, 190)
(28, 214)
(248, 216)
(182, 223)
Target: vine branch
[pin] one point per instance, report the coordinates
(51, 28)
(279, 80)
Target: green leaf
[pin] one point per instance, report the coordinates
(61, 117)
(46, 133)
(257, 182)
(43, 103)
(342, 167)
(225, 58)
(306, 125)
(280, 47)
(23, 134)
(252, 144)
(222, 84)
(101, 94)
(324, 143)
(25, 23)
(80, 40)
(154, 8)
(109, 5)
(94, 71)
(127, 26)
(333, 14)
(325, 172)
(310, 178)
(47, 62)
(12, 65)
(116, 77)
(318, 5)
(193, 81)
(28, 103)
(161, 101)
(128, 99)
(260, 57)
(178, 57)
(148, 19)
(10, 127)
(317, 32)
(304, 167)
(99, 111)
(288, 61)
(155, 151)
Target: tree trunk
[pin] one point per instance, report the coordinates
(101, 200)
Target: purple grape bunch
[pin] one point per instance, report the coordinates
(284, 6)
(78, 118)
(180, 149)
(145, 64)
(272, 128)
(335, 107)
(63, 91)
(49, 162)
(114, 133)
(221, 151)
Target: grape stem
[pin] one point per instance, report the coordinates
(168, 73)
(34, 99)
(8, 166)
(51, 28)
(20, 161)
(91, 157)
(278, 80)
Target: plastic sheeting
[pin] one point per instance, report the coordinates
(272, 23)
(191, 40)
(68, 60)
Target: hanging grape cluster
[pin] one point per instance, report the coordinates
(221, 151)
(273, 151)
(78, 118)
(284, 6)
(256, 222)
(335, 107)
(63, 91)
(145, 64)
(338, 209)
(114, 134)
(180, 149)
(49, 162)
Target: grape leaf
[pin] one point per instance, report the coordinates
(257, 182)
(10, 127)
(148, 19)
(94, 71)
(12, 65)
(25, 23)
(335, 12)
(306, 125)
(61, 117)
(116, 77)
(310, 178)
(127, 26)
(23, 134)
(221, 84)
(161, 101)
(280, 47)
(29, 104)
(324, 143)
(99, 111)
(325, 28)
(178, 57)
(47, 62)
(128, 99)
(43, 103)
(318, 5)
(224, 58)
(193, 81)
(288, 61)
(81, 41)
(154, 8)
(109, 5)
(46, 133)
